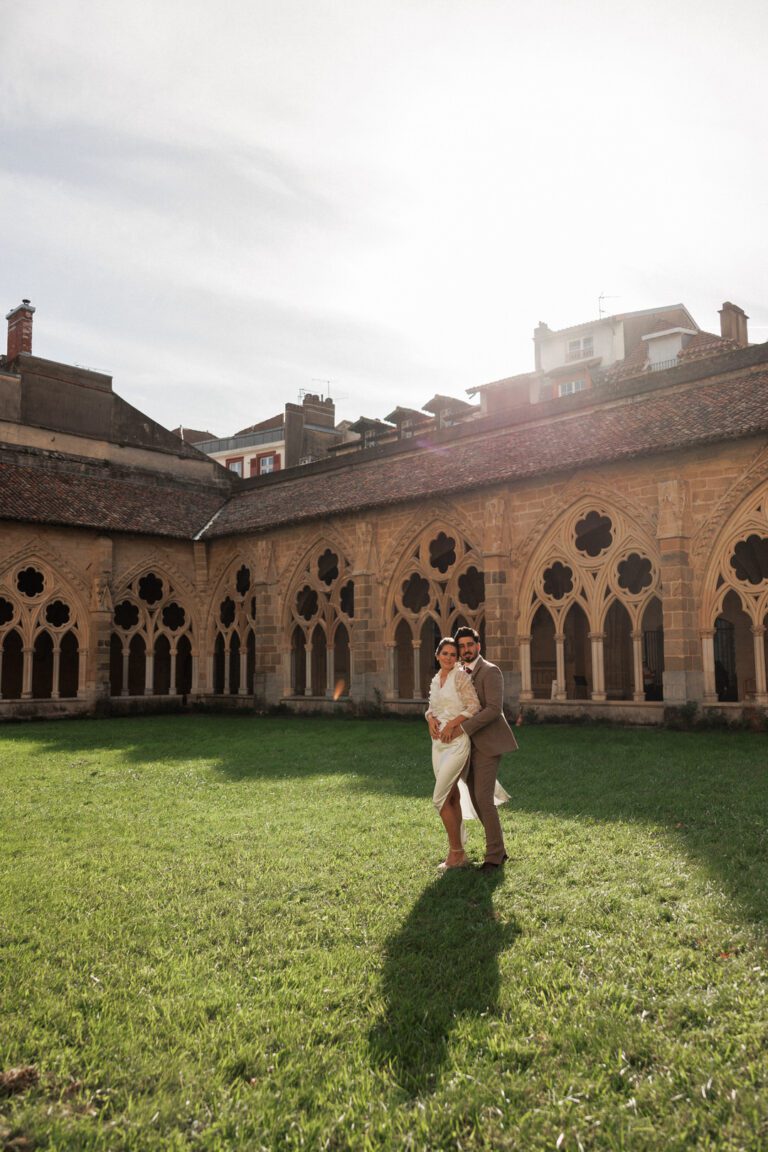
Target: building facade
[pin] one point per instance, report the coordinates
(610, 545)
(301, 434)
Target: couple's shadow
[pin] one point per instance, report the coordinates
(442, 964)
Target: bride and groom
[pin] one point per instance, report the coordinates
(469, 734)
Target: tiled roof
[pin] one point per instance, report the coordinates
(634, 424)
(632, 365)
(702, 346)
(706, 344)
(263, 425)
(663, 412)
(192, 435)
(48, 495)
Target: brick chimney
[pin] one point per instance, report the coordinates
(319, 410)
(733, 324)
(20, 329)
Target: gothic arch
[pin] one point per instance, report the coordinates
(735, 592)
(154, 619)
(232, 624)
(597, 557)
(318, 619)
(43, 629)
(586, 489)
(440, 513)
(706, 538)
(437, 583)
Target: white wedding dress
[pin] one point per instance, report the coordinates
(456, 697)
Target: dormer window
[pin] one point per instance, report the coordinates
(568, 387)
(581, 349)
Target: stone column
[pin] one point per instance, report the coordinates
(245, 689)
(598, 665)
(561, 692)
(308, 668)
(126, 665)
(97, 656)
(683, 672)
(202, 659)
(366, 634)
(391, 691)
(273, 677)
(758, 636)
(227, 677)
(501, 641)
(416, 669)
(56, 666)
(149, 674)
(330, 671)
(638, 692)
(526, 691)
(172, 684)
(708, 665)
(26, 675)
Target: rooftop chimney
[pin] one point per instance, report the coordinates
(20, 329)
(733, 324)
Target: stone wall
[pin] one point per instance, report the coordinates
(350, 605)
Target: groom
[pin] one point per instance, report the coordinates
(490, 735)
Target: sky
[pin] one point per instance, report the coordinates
(225, 206)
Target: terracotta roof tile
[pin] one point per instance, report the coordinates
(48, 495)
(192, 435)
(263, 425)
(705, 344)
(638, 425)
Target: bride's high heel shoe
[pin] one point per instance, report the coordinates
(454, 859)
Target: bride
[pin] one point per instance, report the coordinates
(451, 696)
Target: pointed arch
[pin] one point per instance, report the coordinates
(437, 580)
(153, 603)
(43, 604)
(320, 604)
(595, 570)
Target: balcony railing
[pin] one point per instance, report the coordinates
(234, 443)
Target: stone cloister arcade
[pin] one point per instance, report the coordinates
(43, 630)
(585, 610)
(591, 618)
(734, 607)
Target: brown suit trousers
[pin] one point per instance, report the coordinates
(491, 736)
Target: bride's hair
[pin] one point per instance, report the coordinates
(446, 640)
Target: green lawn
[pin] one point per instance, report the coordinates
(228, 932)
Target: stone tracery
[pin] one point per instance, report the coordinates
(319, 615)
(438, 585)
(232, 632)
(590, 612)
(734, 609)
(43, 632)
(151, 645)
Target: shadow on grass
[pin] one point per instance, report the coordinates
(709, 790)
(442, 965)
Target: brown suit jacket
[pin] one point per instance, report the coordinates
(488, 729)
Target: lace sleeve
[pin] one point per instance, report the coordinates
(432, 696)
(470, 703)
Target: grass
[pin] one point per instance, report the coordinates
(222, 932)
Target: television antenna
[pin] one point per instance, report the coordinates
(601, 297)
(326, 390)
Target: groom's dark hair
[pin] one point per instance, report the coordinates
(466, 631)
